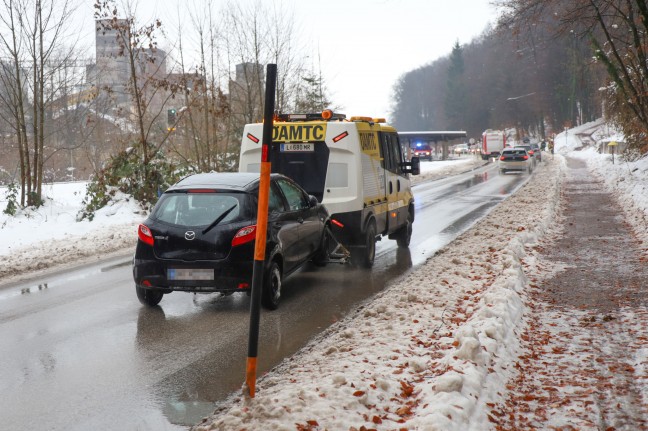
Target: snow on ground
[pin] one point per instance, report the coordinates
(428, 353)
(38, 239)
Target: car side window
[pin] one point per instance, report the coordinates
(275, 201)
(295, 197)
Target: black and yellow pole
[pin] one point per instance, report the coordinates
(261, 230)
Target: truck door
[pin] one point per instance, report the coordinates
(304, 162)
(396, 182)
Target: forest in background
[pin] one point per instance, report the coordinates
(537, 83)
(547, 65)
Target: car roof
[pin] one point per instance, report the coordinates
(223, 180)
(516, 148)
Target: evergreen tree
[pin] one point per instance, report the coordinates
(455, 100)
(311, 95)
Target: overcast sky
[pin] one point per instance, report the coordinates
(364, 45)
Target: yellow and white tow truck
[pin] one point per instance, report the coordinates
(357, 168)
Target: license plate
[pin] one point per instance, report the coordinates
(296, 148)
(190, 274)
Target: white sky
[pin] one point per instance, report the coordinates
(364, 45)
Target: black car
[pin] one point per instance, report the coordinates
(200, 237)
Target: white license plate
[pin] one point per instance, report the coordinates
(296, 148)
(190, 274)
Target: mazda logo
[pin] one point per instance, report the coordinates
(189, 235)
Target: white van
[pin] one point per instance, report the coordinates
(357, 168)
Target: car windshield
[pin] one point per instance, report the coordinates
(199, 209)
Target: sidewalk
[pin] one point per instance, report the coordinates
(584, 362)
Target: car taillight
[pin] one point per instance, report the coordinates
(530, 152)
(244, 235)
(145, 235)
(525, 157)
(502, 158)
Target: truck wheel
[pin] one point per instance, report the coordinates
(404, 235)
(364, 256)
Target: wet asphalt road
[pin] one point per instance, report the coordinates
(83, 354)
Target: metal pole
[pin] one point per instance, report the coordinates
(261, 230)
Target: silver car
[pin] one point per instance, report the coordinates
(515, 159)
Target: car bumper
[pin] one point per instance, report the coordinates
(514, 166)
(227, 276)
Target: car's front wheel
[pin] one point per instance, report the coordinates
(271, 292)
(148, 297)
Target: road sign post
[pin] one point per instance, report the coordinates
(261, 230)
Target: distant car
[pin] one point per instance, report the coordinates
(537, 152)
(461, 149)
(200, 237)
(536, 155)
(515, 159)
(423, 152)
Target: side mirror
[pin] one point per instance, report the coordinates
(412, 167)
(312, 200)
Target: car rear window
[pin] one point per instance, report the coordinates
(514, 152)
(200, 209)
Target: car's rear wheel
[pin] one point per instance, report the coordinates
(148, 297)
(404, 235)
(271, 287)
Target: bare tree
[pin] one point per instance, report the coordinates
(617, 31)
(207, 109)
(148, 88)
(36, 54)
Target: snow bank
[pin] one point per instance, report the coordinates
(38, 239)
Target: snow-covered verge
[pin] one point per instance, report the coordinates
(48, 237)
(430, 352)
